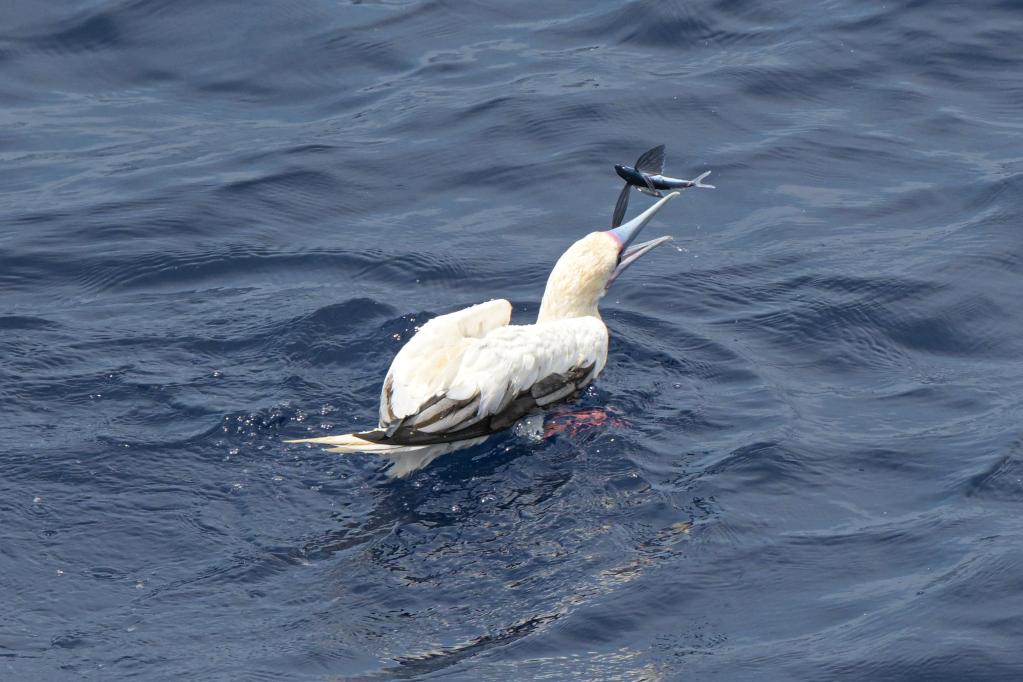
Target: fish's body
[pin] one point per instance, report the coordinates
(645, 182)
(647, 176)
(469, 374)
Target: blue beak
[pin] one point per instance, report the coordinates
(626, 234)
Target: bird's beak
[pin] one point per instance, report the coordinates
(627, 233)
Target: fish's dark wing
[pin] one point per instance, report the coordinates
(621, 206)
(650, 188)
(652, 161)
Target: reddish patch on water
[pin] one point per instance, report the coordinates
(575, 422)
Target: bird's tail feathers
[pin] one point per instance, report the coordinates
(349, 443)
(404, 458)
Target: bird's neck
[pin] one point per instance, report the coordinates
(561, 308)
(564, 298)
(579, 278)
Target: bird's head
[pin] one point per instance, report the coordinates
(590, 266)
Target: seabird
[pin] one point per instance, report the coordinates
(470, 373)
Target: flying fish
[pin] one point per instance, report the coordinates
(646, 175)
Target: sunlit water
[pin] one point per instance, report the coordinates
(220, 220)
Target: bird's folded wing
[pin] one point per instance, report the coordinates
(428, 362)
(502, 376)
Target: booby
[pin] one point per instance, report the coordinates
(469, 374)
(648, 177)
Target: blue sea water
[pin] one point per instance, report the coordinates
(219, 220)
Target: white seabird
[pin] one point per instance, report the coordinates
(469, 374)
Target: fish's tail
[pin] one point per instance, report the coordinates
(698, 182)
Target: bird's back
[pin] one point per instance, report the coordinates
(467, 370)
(427, 364)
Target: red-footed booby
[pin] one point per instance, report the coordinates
(470, 373)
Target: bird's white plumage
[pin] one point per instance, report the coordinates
(465, 357)
(426, 365)
(512, 359)
(509, 360)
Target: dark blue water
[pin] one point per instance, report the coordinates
(220, 219)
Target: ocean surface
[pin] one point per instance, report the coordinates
(220, 220)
